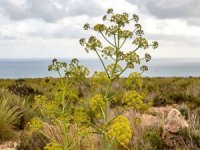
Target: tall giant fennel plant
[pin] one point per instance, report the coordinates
(117, 30)
(59, 114)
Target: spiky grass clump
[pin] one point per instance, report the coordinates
(8, 118)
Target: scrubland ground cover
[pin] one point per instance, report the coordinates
(76, 111)
(142, 138)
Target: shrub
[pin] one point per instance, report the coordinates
(22, 89)
(9, 116)
(31, 141)
(184, 111)
(190, 139)
(152, 135)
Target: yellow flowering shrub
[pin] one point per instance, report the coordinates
(80, 116)
(134, 100)
(120, 130)
(71, 94)
(96, 104)
(99, 79)
(134, 81)
(49, 108)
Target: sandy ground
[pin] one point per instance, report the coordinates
(8, 145)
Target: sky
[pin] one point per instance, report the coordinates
(52, 28)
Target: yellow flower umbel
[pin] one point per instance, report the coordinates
(120, 130)
(133, 99)
(34, 125)
(99, 79)
(96, 104)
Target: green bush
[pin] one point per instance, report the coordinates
(191, 138)
(152, 136)
(21, 88)
(34, 141)
(184, 111)
(183, 90)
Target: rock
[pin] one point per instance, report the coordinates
(172, 126)
(160, 112)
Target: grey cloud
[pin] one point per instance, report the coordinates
(170, 8)
(50, 10)
(68, 32)
(185, 10)
(193, 21)
(13, 11)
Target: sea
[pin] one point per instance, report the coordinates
(38, 68)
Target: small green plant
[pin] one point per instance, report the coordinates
(116, 33)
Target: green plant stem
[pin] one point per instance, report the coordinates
(65, 136)
(136, 49)
(65, 144)
(63, 86)
(122, 43)
(116, 116)
(102, 63)
(115, 40)
(102, 52)
(107, 103)
(123, 70)
(107, 39)
(46, 135)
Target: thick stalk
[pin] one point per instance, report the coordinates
(63, 111)
(107, 103)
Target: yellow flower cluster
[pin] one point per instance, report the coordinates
(47, 107)
(133, 99)
(120, 130)
(99, 79)
(141, 42)
(53, 146)
(100, 27)
(85, 131)
(134, 80)
(96, 103)
(34, 125)
(80, 116)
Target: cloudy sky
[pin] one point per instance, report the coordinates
(52, 28)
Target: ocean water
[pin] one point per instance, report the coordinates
(35, 68)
